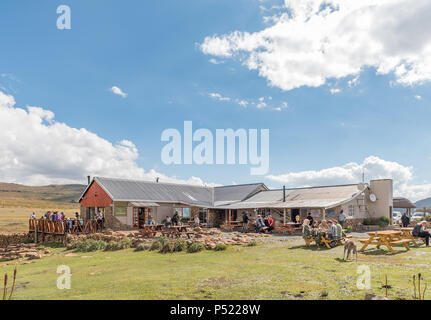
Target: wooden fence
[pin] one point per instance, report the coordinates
(60, 228)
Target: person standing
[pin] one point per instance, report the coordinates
(342, 218)
(310, 218)
(405, 220)
(245, 220)
(33, 216)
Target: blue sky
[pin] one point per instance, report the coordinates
(152, 51)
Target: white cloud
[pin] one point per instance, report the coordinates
(335, 90)
(215, 61)
(373, 167)
(37, 150)
(312, 41)
(118, 91)
(242, 103)
(417, 97)
(218, 97)
(353, 82)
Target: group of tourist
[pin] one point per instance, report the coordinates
(70, 223)
(261, 224)
(328, 229)
(175, 220)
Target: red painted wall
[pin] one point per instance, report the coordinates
(96, 197)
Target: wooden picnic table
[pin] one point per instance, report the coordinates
(177, 231)
(386, 238)
(407, 234)
(150, 230)
(290, 227)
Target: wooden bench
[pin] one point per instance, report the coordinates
(404, 242)
(308, 241)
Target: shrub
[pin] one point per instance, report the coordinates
(155, 245)
(54, 244)
(168, 247)
(88, 245)
(180, 245)
(383, 222)
(124, 243)
(349, 229)
(195, 247)
(428, 218)
(252, 244)
(220, 247)
(143, 247)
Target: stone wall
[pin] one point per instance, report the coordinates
(13, 239)
(113, 223)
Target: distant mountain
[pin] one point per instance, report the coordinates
(57, 193)
(423, 203)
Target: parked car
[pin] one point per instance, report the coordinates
(418, 216)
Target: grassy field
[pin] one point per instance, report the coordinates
(14, 218)
(275, 269)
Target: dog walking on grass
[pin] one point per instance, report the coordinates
(350, 247)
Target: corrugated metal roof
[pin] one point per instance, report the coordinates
(146, 191)
(236, 192)
(313, 197)
(226, 197)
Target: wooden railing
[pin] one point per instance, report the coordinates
(44, 226)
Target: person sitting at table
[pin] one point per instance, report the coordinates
(259, 224)
(297, 219)
(306, 229)
(420, 230)
(168, 221)
(323, 226)
(340, 232)
(269, 223)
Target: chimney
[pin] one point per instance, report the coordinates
(157, 179)
(284, 193)
(89, 179)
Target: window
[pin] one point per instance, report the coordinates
(186, 212)
(351, 211)
(135, 221)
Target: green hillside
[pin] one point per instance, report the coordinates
(57, 193)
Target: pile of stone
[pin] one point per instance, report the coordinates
(212, 237)
(22, 251)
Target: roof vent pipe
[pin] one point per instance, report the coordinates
(89, 179)
(284, 193)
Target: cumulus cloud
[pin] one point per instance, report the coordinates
(417, 97)
(118, 91)
(35, 149)
(373, 167)
(218, 97)
(311, 41)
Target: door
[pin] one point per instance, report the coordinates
(295, 212)
(142, 217)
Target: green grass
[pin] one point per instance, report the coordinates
(272, 270)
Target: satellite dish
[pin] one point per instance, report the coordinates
(361, 186)
(373, 197)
